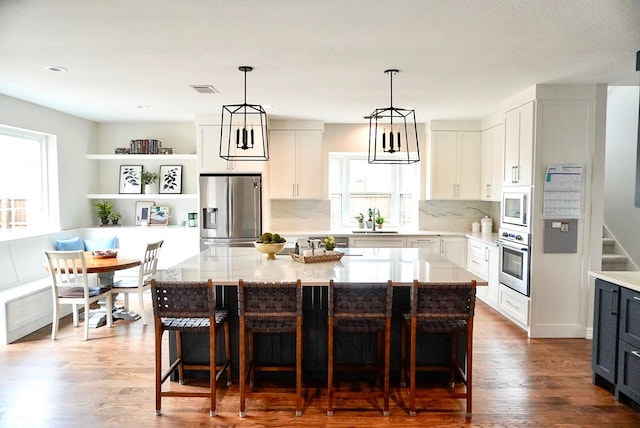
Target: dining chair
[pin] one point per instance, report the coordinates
(439, 308)
(188, 307)
(70, 286)
(269, 308)
(361, 309)
(141, 283)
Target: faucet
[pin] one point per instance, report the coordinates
(375, 210)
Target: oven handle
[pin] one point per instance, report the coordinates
(512, 245)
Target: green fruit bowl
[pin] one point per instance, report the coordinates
(269, 250)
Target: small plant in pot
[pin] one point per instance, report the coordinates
(115, 216)
(360, 219)
(379, 221)
(103, 210)
(147, 178)
(370, 221)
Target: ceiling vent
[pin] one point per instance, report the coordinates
(205, 89)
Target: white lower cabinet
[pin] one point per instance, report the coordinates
(376, 242)
(482, 259)
(513, 305)
(453, 248)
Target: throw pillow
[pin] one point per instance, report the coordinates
(73, 244)
(101, 244)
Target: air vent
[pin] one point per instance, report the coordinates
(205, 89)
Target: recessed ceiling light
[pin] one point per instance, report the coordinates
(56, 68)
(142, 106)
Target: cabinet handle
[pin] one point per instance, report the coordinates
(297, 190)
(488, 194)
(517, 168)
(486, 254)
(614, 302)
(636, 353)
(636, 298)
(516, 307)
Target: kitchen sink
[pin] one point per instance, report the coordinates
(360, 231)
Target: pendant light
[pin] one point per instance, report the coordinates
(244, 133)
(393, 133)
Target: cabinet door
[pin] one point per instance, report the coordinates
(628, 372)
(309, 164)
(432, 243)
(468, 165)
(209, 159)
(518, 145)
(444, 152)
(605, 331)
(454, 249)
(387, 242)
(493, 280)
(491, 163)
(282, 164)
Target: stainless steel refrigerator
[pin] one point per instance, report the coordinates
(230, 210)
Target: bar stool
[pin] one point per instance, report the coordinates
(439, 308)
(188, 307)
(360, 308)
(269, 308)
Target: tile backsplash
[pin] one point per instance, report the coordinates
(451, 216)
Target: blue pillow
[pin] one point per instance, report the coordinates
(73, 244)
(101, 244)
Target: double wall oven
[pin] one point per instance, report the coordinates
(514, 239)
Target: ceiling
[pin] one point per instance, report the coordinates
(323, 60)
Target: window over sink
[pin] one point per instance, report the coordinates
(356, 185)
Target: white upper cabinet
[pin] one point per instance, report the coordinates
(455, 165)
(295, 164)
(518, 145)
(491, 163)
(209, 160)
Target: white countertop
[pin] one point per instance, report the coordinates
(627, 279)
(226, 265)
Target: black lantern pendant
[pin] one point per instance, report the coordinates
(393, 133)
(244, 134)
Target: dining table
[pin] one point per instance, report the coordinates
(105, 268)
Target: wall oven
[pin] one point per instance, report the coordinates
(514, 260)
(515, 208)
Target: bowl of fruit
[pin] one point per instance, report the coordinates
(270, 244)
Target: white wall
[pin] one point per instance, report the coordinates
(75, 138)
(620, 215)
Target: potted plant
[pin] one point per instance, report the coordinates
(103, 209)
(147, 178)
(360, 219)
(370, 221)
(379, 221)
(115, 216)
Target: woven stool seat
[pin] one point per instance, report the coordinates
(271, 326)
(194, 325)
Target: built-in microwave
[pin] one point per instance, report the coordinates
(515, 208)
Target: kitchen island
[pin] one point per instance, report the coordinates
(226, 265)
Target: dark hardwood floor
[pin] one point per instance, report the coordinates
(109, 381)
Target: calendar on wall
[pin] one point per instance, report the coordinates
(563, 191)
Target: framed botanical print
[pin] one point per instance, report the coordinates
(143, 212)
(130, 181)
(170, 179)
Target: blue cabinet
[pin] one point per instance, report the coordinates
(628, 377)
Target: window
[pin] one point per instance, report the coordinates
(24, 182)
(356, 185)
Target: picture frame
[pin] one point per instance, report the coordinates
(170, 179)
(159, 216)
(143, 211)
(130, 182)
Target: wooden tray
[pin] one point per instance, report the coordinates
(329, 256)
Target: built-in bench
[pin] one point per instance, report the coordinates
(25, 286)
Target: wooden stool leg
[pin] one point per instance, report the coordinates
(227, 350)
(299, 367)
(387, 365)
(212, 366)
(179, 353)
(330, 368)
(242, 369)
(412, 370)
(251, 368)
(469, 363)
(403, 354)
(453, 359)
(158, 345)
